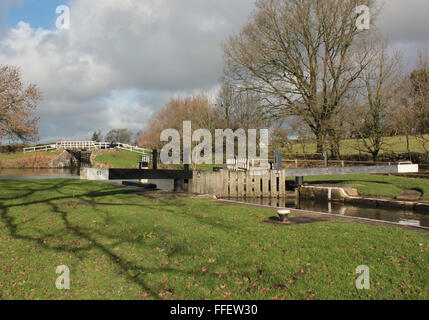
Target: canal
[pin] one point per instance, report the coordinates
(401, 217)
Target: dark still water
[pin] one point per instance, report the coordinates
(18, 174)
(389, 215)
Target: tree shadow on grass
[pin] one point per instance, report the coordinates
(131, 270)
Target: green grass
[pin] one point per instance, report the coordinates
(350, 147)
(377, 185)
(21, 155)
(119, 159)
(190, 249)
(26, 160)
(125, 159)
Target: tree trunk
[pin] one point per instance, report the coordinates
(320, 144)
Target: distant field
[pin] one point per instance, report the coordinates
(350, 147)
(119, 159)
(127, 160)
(21, 155)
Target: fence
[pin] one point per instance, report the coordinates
(241, 184)
(40, 148)
(131, 148)
(246, 164)
(77, 145)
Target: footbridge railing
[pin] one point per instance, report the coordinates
(85, 145)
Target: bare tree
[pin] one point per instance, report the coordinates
(196, 108)
(301, 57)
(419, 94)
(236, 109)
(17, 106)
(403, 120)
(119, 136)
(300, 132)
(371, 117)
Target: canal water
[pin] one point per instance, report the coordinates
(18, 174)
(402, 217)
(390, 215)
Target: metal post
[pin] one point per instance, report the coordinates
(155, 159)
(179, 185)
(277, 160)
(299, 181)
(325, 156)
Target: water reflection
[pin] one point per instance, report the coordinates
(18, 174)
(391, 215)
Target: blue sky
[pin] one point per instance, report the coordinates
(38, 13)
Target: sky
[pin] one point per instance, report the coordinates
(122, 60)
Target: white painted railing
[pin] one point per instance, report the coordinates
(40, 148)
(76, 145)
(246, 164)
(131, 148)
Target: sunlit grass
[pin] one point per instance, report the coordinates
(350, 147)
(119, 159)
(190, 249)
(22, 155)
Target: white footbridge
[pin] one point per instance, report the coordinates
(87, 145)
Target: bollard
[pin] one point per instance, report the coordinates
(284, 215)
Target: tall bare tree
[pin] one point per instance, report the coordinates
(17, 106)
(197, 108)
(419, 94)
(371, 117)
(119, 136)
(301, 57)
(236, 109)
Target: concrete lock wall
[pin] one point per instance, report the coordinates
(94, 174)
(164, 184)
(322, 193)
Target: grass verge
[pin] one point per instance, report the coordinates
(144, 248)
(396, 144)
(20, 160)
(119, 159)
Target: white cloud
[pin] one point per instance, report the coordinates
(154, 47)
(150, 48)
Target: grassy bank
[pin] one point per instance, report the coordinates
(376, 185)
(190, 249)
(20, 160)
(119, 159)
(350, 146)
(126, 159)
